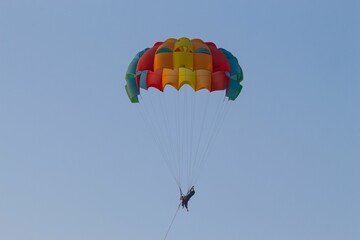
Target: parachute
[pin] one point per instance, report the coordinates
(182, 88)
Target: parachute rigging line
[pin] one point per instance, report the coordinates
(217, 124)
(152, 129)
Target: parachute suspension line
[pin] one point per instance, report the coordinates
(191, 110)
(173, 165)
(209, 117)
(212, 115)
(176, 130)
(187, 140)
(155, 130)
(177, 122)
(165, 108)
(203, 115)
(181, 134)
(192, 122)
(172, 221)
(217, 127)
(213, 132)
(188, 133)
(189, 129)
(185, 135)
(182, 129)
(150, 128)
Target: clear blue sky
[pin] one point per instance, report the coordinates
(75, 165)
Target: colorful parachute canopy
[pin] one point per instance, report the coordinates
(181, 61)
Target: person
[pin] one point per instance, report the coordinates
(185, 198)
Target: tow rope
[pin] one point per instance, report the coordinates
(172, 221)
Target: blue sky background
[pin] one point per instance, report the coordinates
(74, 163)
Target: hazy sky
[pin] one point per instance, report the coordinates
(75, 163)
